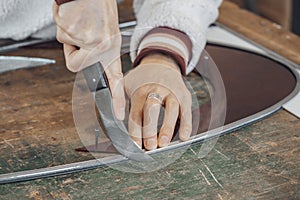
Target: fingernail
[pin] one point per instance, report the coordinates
(164, 141)
(186, 136)
(151, 144)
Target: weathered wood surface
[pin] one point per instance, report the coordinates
(36, 115)
(260, 161)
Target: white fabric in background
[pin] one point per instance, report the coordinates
(20, 19)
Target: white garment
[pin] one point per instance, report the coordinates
(20, 19)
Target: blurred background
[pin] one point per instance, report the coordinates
(283, 12)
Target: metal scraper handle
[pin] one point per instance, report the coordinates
(95, 77)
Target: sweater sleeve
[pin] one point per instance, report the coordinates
(21, 19)
(181, 21)
(168, 41)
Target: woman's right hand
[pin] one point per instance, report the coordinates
(90, 33)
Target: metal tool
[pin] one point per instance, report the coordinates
(16, 45)
(114, 128)
(8, 63)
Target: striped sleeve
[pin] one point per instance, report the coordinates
(165, 40)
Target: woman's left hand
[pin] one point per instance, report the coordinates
(157, 82)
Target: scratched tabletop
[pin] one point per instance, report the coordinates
(260, 161)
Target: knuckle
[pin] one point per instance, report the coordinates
(139, 93)
(136, 96)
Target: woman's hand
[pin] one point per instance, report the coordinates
(157, 82)
(90, 33)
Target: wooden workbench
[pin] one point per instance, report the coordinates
(260, 161)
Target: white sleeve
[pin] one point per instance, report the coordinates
(191, 17)
(20, 19)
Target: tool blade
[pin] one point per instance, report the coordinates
(9, 63)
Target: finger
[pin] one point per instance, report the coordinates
(116, 83)
(151, 113)
(64, 38)
(70, 51)
(136, 118)
(169, 123)
(74, 57)
(185, 129)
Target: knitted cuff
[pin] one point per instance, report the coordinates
(171, 42)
